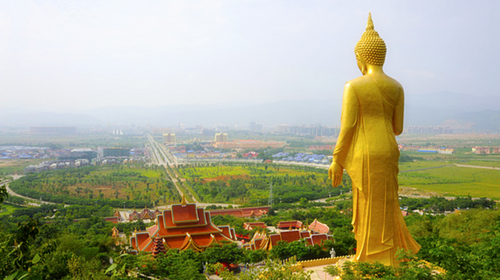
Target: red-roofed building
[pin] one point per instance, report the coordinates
(145, 214)
(262, 240)
(319, 227)
(290, 225)
(481, 150)
(183, 226)
(242, 212)
(252, 225)
(114, 220)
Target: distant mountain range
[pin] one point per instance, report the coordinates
(459, 111)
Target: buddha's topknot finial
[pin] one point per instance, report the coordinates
(371, 47)
(369, 24)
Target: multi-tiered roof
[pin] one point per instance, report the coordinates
(183, 226)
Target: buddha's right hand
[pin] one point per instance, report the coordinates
(335, 173)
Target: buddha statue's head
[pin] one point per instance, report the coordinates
(370, 49)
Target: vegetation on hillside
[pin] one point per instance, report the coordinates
(115, 185)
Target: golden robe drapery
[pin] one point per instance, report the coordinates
(372, 109)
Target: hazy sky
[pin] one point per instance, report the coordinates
(76, 55)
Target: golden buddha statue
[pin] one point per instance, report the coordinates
(372, 116)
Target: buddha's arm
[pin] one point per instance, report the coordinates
(348, 121)
(398, 118)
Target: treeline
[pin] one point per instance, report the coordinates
(441, 204)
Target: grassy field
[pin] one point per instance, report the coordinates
(249, 183)
(7, 209)
(240, 171)
(407, 166)
(11, 166)
(454, 181)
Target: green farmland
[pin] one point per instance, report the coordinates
(454, 181)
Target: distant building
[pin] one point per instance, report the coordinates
(113, 152)
(207, 133)
(321, 148)
(429, 130)
(169, 138)
(481, 150)
(255, 127)
(221, 137)
(313, 130)
(249, 144)
(62, 130)
(82, 153)
(447, 151)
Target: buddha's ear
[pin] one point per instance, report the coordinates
(358, 56)
(361, 63)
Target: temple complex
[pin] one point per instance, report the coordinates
(145, 214)
(263, 240)
(183, 226)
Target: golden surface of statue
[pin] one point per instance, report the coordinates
(372, 116)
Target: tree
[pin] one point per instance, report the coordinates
(284, 250)
(225, 253)
(411, 268)
(3, 194)
(178, 265)
(272, 270)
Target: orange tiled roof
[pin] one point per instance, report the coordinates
(288, 224)
(182, 227)
(184, 213)
(318, 238)
(261, 240)
(242, 212)
(305, 234)
(291, 235)
(252, 225)
(319, 227)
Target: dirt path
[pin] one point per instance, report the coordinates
(427, 168)
(477, 166)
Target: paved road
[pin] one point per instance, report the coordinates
(160, 160)
(163, 157)
(29, 200)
